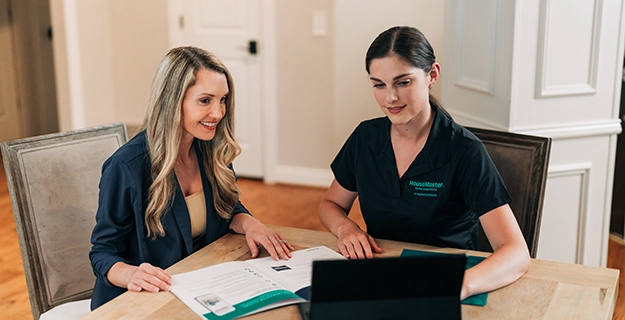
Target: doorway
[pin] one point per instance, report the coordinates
(231, 30)
(27, 83)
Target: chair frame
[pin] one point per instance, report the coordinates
(27, 234)
(541, 148)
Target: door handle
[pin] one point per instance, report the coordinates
(252, 47)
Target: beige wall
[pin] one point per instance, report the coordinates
(305, 84)
(96, 49)
(354, 32)
(114, 46)
(136, 53)
(322, 88)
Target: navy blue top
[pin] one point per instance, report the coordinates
(438, 200)
(120, 233)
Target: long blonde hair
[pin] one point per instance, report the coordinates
(163, 125)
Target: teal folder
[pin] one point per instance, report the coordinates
(478, 299)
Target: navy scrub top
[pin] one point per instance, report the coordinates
(438, 200)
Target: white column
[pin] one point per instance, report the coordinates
(549, 68)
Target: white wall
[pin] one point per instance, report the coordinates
(547, 68)
(479, 62)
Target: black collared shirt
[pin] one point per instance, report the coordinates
(438, 200)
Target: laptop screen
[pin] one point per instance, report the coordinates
(425, 287)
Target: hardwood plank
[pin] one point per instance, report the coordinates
(287, 205)
(14, 303)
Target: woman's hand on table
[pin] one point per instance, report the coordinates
(138, 278)
(256, 233)
(355, 243)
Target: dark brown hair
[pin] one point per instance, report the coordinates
(410, 46)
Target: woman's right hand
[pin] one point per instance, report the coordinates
(138, 278)
(355, 243)
(352, 241)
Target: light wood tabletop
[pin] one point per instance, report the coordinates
(549, 290)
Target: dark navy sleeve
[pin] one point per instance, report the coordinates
(238, 207)
(479, 181)
(114, 218)
(343, 165)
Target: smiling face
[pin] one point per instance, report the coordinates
(401, 89)
(204, 105)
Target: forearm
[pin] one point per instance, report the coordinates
(241, 222)
(257, 234)
(507, 264)
(334, 218)
(120, 274)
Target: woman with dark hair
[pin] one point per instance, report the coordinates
(419, 176)
(171, 190)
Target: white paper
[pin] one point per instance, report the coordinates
(233, 289)
(295, 273)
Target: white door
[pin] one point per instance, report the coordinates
(226, 28)
(10, 119)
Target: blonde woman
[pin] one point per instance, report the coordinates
(171, 190)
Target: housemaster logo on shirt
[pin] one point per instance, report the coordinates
(425, 188)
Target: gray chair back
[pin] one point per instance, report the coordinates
(53, 183)
(522, 161)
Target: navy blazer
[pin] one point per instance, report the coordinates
(120, 233)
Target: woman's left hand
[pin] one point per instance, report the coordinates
(256, 233)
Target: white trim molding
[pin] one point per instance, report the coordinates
(583, 171)
(543, 88)
(269, 90)
(74, 65)
(600, 128)
(471, 120)
(174, 14)
(312, 177)
(462, 79)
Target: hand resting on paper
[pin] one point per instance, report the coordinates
(256, 233)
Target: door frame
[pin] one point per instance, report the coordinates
(268, 66)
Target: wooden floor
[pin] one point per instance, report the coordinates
(286, 205)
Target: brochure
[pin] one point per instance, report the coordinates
(234, 289)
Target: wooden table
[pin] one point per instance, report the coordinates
(549, 290)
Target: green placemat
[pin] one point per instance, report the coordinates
(478, 299)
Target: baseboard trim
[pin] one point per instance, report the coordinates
(617, 238)
(305, 176)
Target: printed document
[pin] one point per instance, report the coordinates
(234, 289)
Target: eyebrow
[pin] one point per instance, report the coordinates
(212, 95)
(398, 77)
